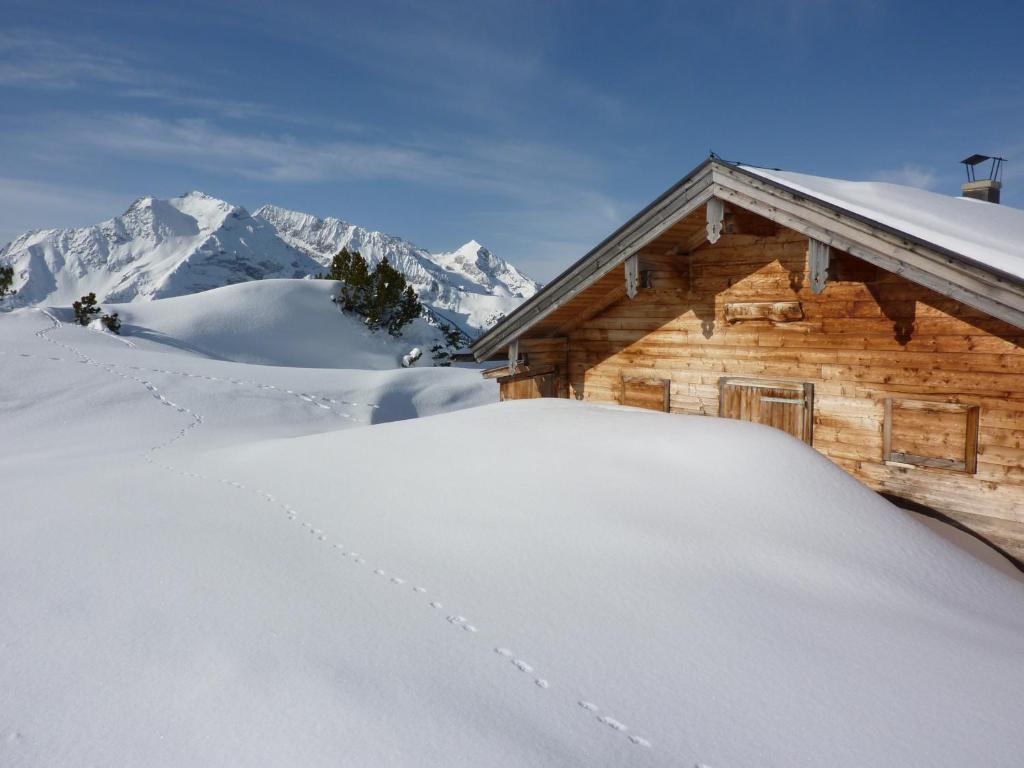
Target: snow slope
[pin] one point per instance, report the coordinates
(271, 322)
(983, 232)
(209, 562)
(163, 248)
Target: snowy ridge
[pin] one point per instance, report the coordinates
(155, 249)
(165, 248)
(470, 282)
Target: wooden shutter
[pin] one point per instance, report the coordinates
(640, 392)
(931, 434)
(788, 406)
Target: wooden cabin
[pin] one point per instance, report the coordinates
(882, 325)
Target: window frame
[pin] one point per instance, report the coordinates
(972, 416)
(652, 381)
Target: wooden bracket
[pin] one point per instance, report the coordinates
(819, 255)
(513, 355)
(632, 265)
(715, 215)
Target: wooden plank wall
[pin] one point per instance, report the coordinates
(870, 335)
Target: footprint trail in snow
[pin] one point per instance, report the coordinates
(289, 512)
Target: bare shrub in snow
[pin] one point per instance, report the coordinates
(112, 322)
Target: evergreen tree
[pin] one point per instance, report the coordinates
(382, 296)
(341, 265)
(86, 308)
(6, 281)
(112, 322)
(409, 308)
(354, 273)
(443, 352)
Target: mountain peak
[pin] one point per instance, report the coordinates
(471, 247)
(159, 248)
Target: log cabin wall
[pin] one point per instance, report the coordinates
(869, 338)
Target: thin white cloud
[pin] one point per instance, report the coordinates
(204, 104)
(545, 205)
(910, 175)
(30, 59)
(34, 60)
(513, 169)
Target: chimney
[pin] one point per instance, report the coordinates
(984, 188)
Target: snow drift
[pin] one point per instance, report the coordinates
(271, 322)
(209, 562)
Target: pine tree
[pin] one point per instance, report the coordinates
(112, 322)
(409, 308)
(6, 281)
(86, 308)
(382, 297)
(443, 351)
(354, 273)
(341, 265)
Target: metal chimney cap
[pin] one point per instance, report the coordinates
(975, 159)
(995, 168)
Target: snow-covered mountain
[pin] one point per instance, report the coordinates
(157, 248)
(162, 248)
(471, 281)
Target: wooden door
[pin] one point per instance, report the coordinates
(788, 406)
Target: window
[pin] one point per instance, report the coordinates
(654, 394)
(931, 434)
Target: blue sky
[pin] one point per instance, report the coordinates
(536, 128)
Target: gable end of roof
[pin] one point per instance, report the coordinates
(954, 274)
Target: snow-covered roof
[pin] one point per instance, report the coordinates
(970, 250)
(988, 234)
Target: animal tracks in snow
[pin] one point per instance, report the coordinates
(611, 722)
(319, 401)
(290, 513)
